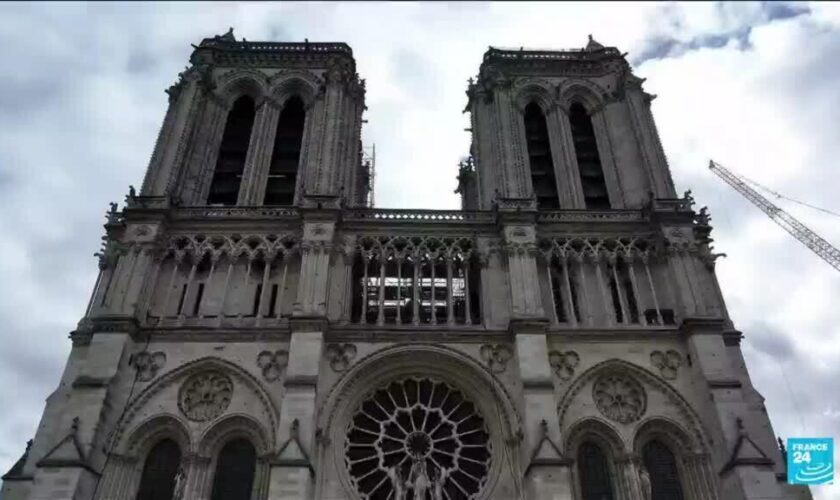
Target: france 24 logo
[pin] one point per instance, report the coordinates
(810, 461)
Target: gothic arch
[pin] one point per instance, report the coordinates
(153, 430)
(669, 432)
(236, 83)
(690, 419)
(589, 94)
(179, 374)
(536, 91)
(431, 361)
(595, 429)
(232, 427)
(303, 84)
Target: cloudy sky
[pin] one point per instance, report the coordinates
(754, 86)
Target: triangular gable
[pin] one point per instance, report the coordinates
(292, 453)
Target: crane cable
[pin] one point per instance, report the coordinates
(783, 197)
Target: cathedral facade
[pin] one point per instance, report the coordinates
(258, 331)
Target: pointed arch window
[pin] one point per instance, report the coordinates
(539, 158)
(224, 188)
(664, 475)
(589, 162)
(594, 473)
(235, 466)
(157, 481)
(285, 157)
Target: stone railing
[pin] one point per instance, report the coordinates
(591, 216)
(236, 213)
(403, 215)
(322, 47)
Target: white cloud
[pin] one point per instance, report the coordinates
(752, 85)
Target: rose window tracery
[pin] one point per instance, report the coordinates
(417, 439)
(205, 395)
(619, 397)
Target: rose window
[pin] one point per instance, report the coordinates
(619, 397)
(205, 395)
(417, 439)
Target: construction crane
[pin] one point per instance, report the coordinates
(790, 224)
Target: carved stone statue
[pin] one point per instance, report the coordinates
(418, 479)
(180, 484)
(397, 483)
(440, 482)
(644, 482)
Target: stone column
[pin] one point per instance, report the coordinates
(258, 159)
(746, 465)
(571, 196)
(168, 154)
(612, 175)
(196, 175)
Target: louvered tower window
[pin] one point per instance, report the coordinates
(539, 158)
(234, 477)
(594, 472)
(285, 158)
(224, 189)
(157, 481)
(664, 475)
(589, 163)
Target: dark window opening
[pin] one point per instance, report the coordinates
(257, 297)
(181, 300)
(589, 162)
(664, 475)
(199, 294)
(285, 158)
(272, 305)
(561, 292)
(539, 157)
(157, 481)
(594, 471)
(234, 477)
(623, 289)
(224, 189)
(667, 316)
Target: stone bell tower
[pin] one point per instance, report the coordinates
(257, 332)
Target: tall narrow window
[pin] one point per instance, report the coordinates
(282, 174)
(594, 471)
(539, 157)
(224, 189)
(234, 477)
(589, 163)
(157, 481)
(662, 467)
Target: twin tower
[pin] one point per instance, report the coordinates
(258, 331)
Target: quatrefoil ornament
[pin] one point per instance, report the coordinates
(272, 363)
(340, 356)
(564, 363)
(147, 364)
(496, 356)
(668, 363)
